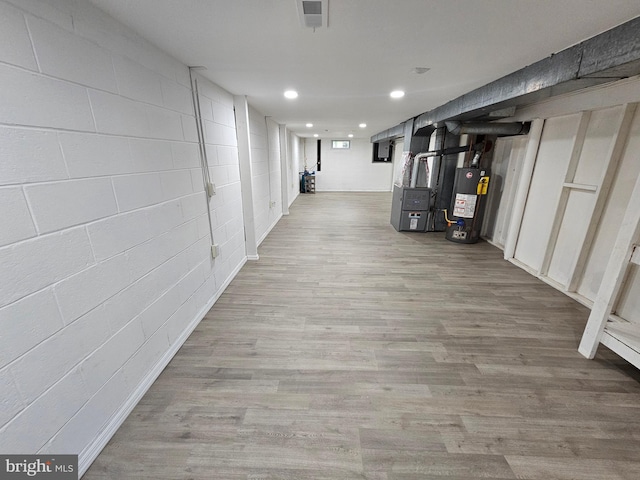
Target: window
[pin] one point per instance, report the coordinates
(340, 143)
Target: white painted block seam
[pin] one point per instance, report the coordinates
(64, 204)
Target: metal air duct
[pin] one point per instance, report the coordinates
(486, 128)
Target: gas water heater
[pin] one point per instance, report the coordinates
(464, 219)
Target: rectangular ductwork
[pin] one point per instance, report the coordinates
(313, 13)
(607, 57)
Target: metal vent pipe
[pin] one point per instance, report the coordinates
(486, 128)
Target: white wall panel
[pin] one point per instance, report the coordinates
(600, 133)
(553, 157)
(574, 225)
(589, 170)
(628, 304)
(618, 198)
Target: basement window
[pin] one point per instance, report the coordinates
(341, 144)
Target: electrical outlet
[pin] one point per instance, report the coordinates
(211, 189)
(215, 250)
(272, 204)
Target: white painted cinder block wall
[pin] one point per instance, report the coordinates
(104, 254)
(265, 173)
(296, 165)
(349, 169)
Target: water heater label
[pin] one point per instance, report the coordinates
(465, 206)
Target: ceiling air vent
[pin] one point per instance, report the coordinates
(313, 13)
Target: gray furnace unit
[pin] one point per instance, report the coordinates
(411, 209)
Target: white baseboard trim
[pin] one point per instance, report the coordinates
(574, 295)
(294, 198)
(269, 229)
(495, 244)
(91, 452)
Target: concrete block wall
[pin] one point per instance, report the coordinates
(265, 172)
(275, 171)
(216, 107)
(105, 263)
(296, 165)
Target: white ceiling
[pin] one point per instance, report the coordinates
(344, 73)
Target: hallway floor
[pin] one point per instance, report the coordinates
(352, 351)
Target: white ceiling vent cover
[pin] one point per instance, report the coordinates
(313, 13)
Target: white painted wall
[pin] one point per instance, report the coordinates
(265, 168)
(579, 209)
(609, 225)
(295, 164)
(349, 169)
(106, 266)
(544, 193)
(564, 238)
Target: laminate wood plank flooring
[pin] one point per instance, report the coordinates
(351, 351)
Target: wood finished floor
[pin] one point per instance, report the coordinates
(352, 351)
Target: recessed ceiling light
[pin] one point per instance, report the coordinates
(309, 125)
(350, 135)
(397, 94)
(363, 125)
(291, 94)
(315, 134)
